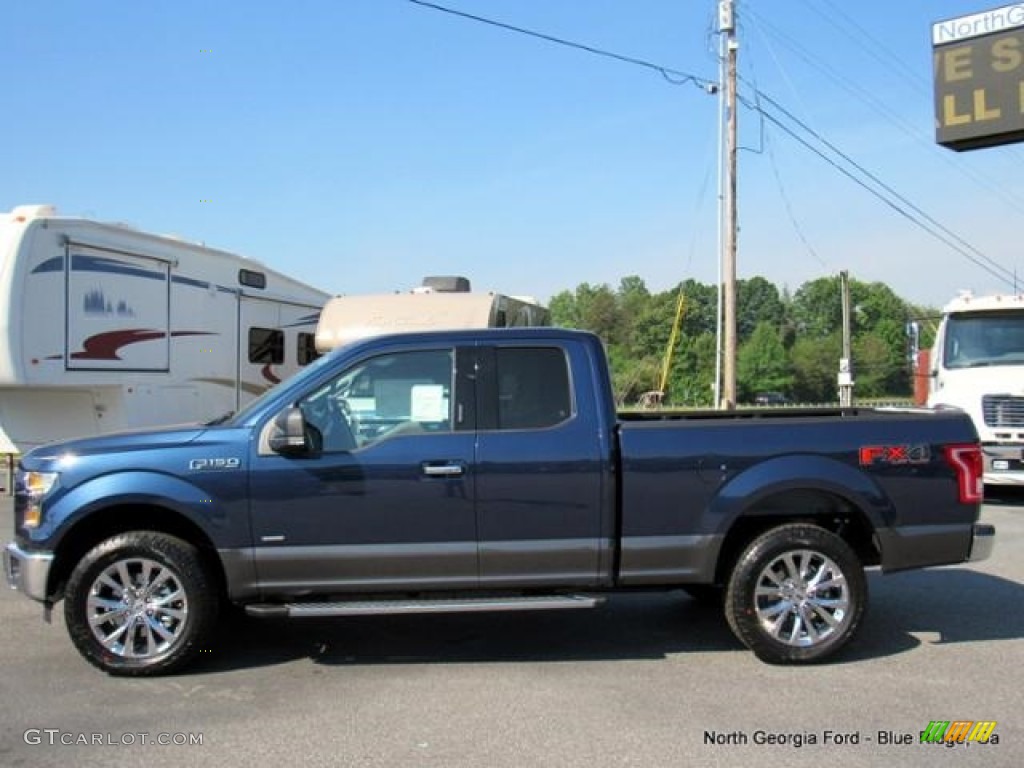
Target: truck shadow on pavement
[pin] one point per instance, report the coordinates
(1004, 496)
(641, 626)
(947, 605)
(937, 606)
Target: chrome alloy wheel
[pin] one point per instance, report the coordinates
(802, 598)
(137, 608)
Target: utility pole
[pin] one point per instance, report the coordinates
(720, 222)
(845, 368)
(727, 27)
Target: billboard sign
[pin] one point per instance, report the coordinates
(979, 78)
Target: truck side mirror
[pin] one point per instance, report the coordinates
(913, 329)
(288, 435)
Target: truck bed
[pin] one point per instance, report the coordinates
(764, 413)
(686, 478)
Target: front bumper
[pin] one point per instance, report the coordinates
(983, 538)
(27, 572)
(1004, 464)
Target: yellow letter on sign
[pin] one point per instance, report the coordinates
(1006, 55)
(958, 64)
(949, 113)
(981, 110)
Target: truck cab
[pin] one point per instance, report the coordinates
(977, 365)
(411, 463)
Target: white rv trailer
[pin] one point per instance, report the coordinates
(103, 327)
(441, 303)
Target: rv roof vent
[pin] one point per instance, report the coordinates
(447, 283)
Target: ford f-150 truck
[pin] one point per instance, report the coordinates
(485, 470)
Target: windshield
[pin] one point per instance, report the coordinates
(992, 338)
(309, 372)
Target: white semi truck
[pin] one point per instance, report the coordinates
(977, 365)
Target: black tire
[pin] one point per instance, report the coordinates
(792, 620)
(154, 624)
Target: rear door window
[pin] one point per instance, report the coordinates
(533, 387)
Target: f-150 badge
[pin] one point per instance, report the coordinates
(198, 464)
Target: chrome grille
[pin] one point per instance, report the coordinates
(1003, 410)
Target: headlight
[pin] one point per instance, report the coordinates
(35, 486)
(39, 483)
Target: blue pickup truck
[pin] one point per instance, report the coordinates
(485, 470)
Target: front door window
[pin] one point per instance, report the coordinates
(403, 393)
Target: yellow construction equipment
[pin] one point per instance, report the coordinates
(670, 350)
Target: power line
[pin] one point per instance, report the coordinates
(789, 209)
(879, 52)
(880, 107)
(766, 144)
(674, 76)
(936, 231)
(1008, 275)
(876, 49)
(678, 77)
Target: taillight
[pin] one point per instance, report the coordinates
(966, 459)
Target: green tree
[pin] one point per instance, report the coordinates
(817, 310)
(762, 364)
(691, 382)
(589, 307)
(787, 343)
(872, 367)
(631, 297)
(879, 340)
(815, 366)
(632, 378)
(564, 310)
(757, 301)
(701, 308)
(652, 326)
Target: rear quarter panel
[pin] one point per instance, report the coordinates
(686, 480)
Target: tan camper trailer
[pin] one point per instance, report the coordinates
(441, 303)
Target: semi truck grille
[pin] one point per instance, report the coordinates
(1003, 410)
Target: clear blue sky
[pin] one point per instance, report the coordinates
(362, 144)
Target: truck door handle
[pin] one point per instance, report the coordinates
(455, 469)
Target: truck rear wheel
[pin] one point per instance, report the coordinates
(140, 603)
(796, 594)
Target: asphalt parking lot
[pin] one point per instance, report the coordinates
(648, 680)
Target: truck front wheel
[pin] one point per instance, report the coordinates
(796, 594)
(140, 603)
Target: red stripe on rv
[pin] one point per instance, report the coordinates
(105, 346)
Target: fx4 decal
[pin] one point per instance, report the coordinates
(880, 455)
